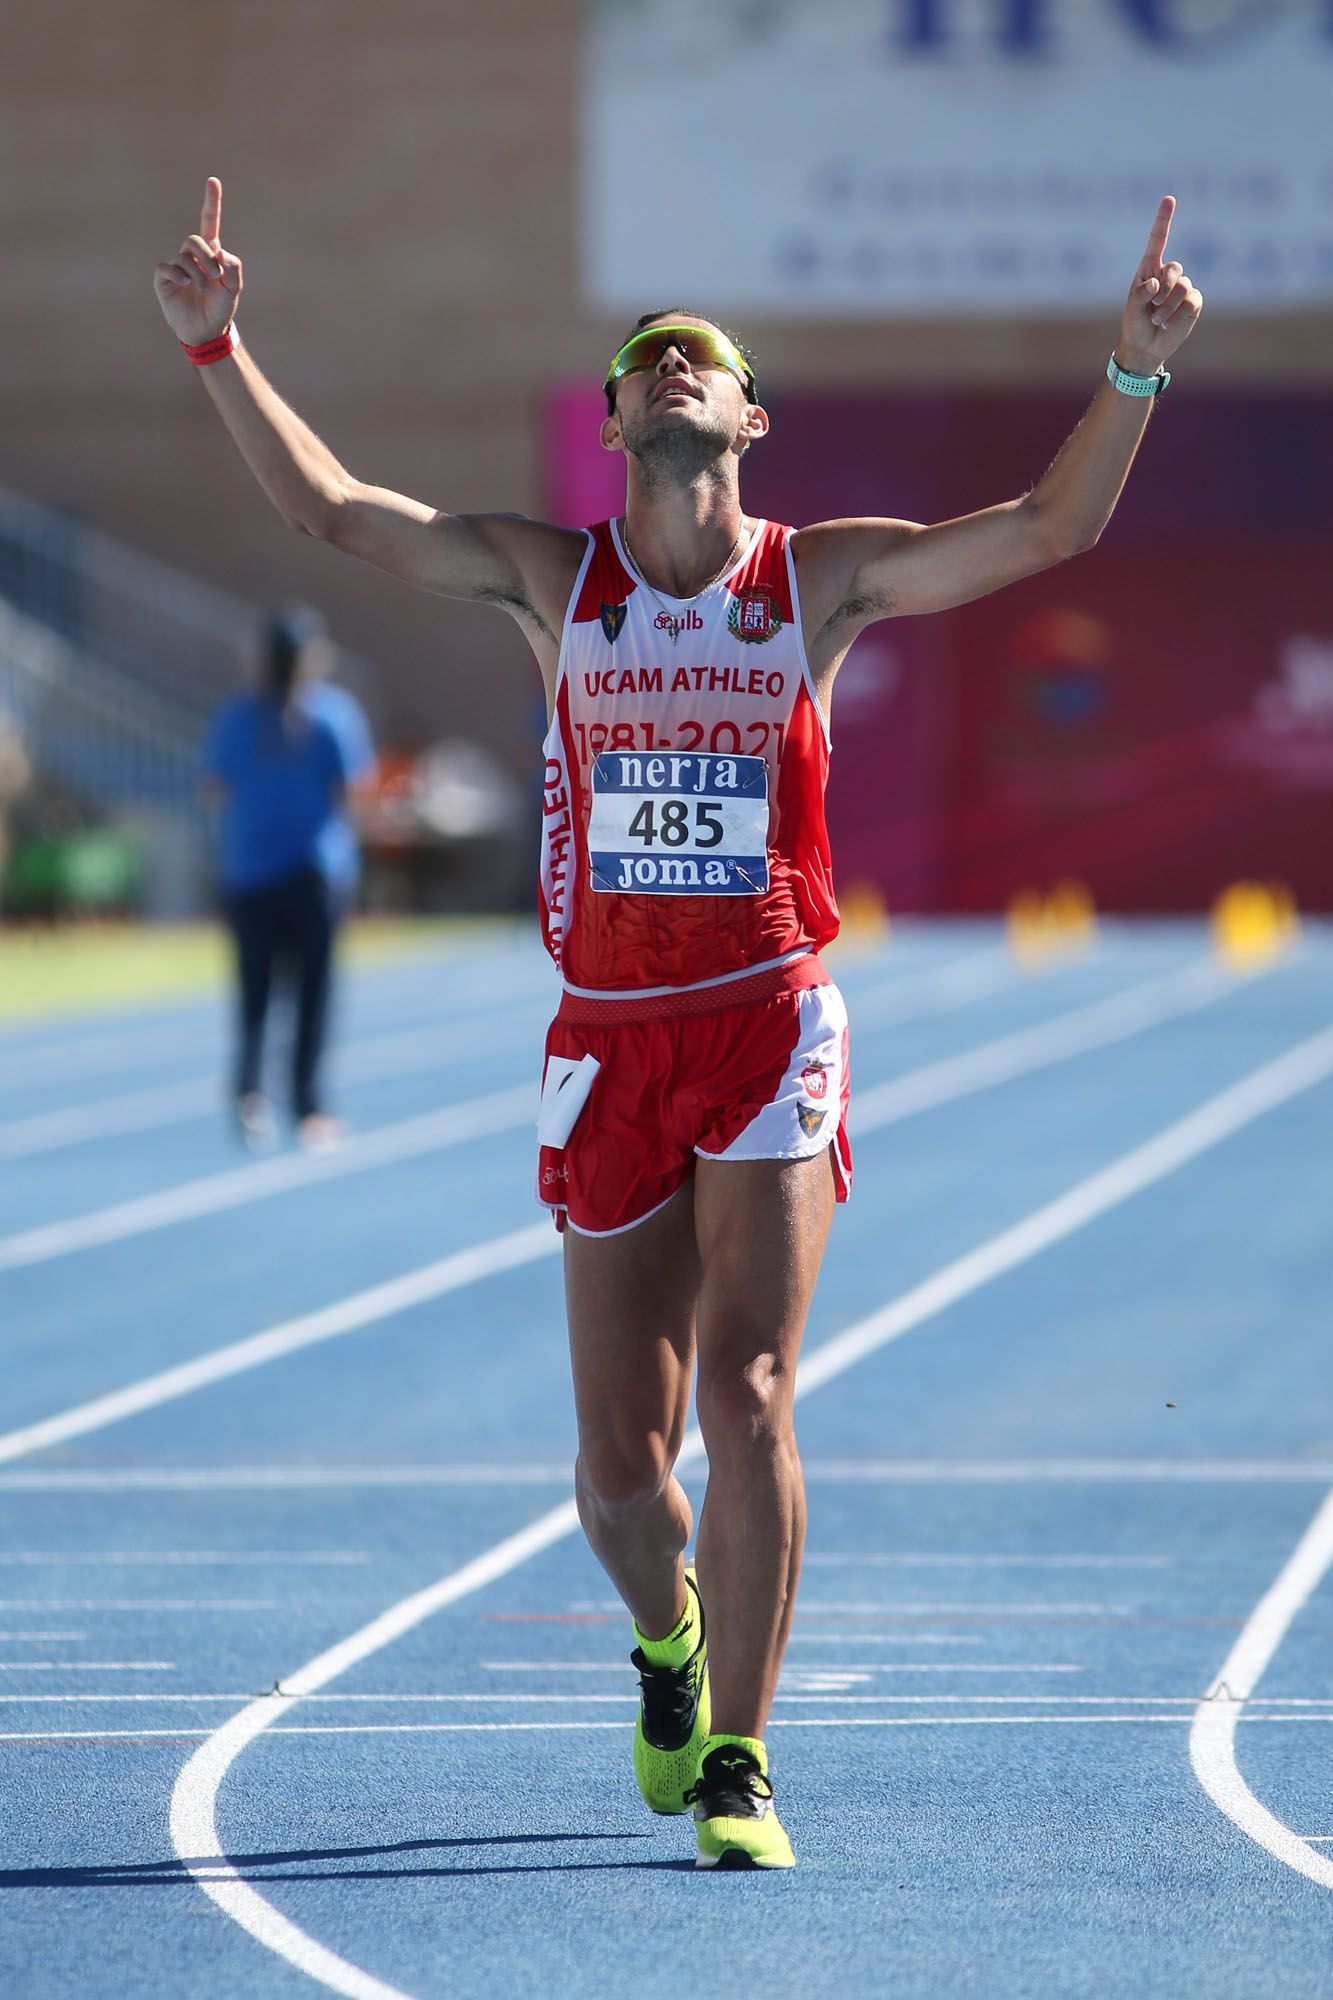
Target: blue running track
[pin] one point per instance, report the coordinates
(308, 1682)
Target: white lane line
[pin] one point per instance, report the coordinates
(376, 1057)
(407, 1139)
(70, 1053)
(1056, 1040)
(1045, 1043)
(405, 1051)
(277, 1478)
(967, 1608)
(399, 1052)
(1287, 1709)
(193, 1829)
(916, 1561)
(134, 1111)
(976, 976)
(1073, 1471)
(104, 1557)
(28, 1068)
(1309, 1063)
(890, 1608)
(1213, 1733)
(44, 1636)
(875, 1667)
(860, 1638)
(332, 1971)
(88, 1666)
(1319, 1708)
(141, 1604)
(449, 1274)
(193, 1823)
(428, 1134)
(269, 1478)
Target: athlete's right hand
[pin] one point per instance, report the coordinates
(198, 290)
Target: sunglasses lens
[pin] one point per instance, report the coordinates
(700, 345)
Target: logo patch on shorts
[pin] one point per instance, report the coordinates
(815, 1077)
(811, 1120)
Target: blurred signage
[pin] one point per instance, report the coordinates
(914, 156)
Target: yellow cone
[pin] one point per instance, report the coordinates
(1253, 923)
(1028, 928)
(1074, 915)
(864, 914)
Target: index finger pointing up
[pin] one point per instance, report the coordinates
(1157, 235)
(210, 219)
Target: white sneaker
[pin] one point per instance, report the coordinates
(254, 1120)
(319, 1133)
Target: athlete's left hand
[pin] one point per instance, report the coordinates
(1163, 306)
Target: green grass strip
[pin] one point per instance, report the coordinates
(86, 968)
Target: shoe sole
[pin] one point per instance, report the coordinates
(735, 1858)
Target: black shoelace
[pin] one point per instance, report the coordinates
(670, 1695)
(731, 1785)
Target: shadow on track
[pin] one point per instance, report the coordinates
(276, 1867)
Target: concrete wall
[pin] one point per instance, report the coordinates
(400, 180)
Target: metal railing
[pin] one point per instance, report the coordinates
(114, 744)
(155, 627)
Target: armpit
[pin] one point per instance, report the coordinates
(517, 607)
(862, 609)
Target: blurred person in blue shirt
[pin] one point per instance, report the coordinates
(279, 764)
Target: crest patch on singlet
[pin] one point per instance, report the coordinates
(753, 616)
(613, 618)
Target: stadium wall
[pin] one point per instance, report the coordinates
(405, 186)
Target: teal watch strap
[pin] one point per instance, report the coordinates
(1135, 385)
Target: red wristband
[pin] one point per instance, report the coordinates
(209, 351)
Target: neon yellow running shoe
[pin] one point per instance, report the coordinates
(734, 1818)
(673, 1721)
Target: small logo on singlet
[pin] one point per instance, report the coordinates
(613, 618)
(815, 1077)
(687, 621)
(811, 1120)
(753, 616)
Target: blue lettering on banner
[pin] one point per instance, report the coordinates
(1029, 27)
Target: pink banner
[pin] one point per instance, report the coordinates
(1155, 718)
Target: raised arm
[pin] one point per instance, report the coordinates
(853, 572)
(526, 567)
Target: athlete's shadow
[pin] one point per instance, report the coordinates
(287, 1865)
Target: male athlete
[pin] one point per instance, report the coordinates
(693, 1118)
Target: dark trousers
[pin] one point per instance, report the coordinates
(284, 930)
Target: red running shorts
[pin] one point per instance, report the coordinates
(626, 1108)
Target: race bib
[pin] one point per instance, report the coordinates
(678, 823)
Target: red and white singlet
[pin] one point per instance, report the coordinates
(683, 838)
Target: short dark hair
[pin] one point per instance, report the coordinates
(287, 634)
(677, 313)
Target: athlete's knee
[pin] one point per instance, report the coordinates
(617, 1475)
(746, 1403)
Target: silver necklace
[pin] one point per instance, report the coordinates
(671, 622)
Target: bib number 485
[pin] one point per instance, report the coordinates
(677, 823)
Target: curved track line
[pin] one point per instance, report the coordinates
(193, 1800)
(1213, 1732)
(193, 1830)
